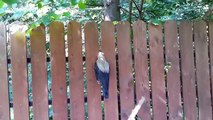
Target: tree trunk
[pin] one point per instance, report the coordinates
(111, 10)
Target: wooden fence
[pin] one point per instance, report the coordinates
(171, 66)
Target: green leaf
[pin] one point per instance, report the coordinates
(115, 22)
(74, 2)
(53, 16)
(81, 5)
(32, 26)
(39, 5)
(10, 2)
(45, 20)
(149, 1)
(1, 3)
(65, 5)
(2, 14)
(66, 14)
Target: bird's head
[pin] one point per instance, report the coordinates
(102, 63)
(101, 55)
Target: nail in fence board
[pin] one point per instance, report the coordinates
(93, 88)
(126, 82)
(19, 76)
(108, 47)
(4, 93)
(75, 71)
(157, 72)
(141, 68)
(173, 72)
(58, 71)
(187, 68)
(39, 73)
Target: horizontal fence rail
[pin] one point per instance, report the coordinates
(161, 72)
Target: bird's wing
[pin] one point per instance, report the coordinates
(104, 79)
(97, 71)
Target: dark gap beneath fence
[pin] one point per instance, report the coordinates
(49, 59)
(50, 101)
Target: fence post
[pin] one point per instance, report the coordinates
(39, 73)
(19, 76)
(108, 47)
(126, 82)
(4, 93)
(187, 68)
(93, 89)
(58, 71)
(75, 71)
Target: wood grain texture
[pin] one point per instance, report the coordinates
(157, 72)
(187, 68)
(19, 76)
(126, 82)
(58, 71)
(202, 67)
(108, 47)
(75, 71)
(4, 91)
(93, 88)
(210, 24)
(39, 73)
(173, 74)
(141, 68)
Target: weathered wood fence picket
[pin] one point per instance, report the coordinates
(171, 66)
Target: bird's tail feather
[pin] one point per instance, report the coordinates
(106, 94)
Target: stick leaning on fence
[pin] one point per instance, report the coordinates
(136, 109)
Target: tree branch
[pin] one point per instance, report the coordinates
(141, 9)
(95, 5)
(130, 12)
(136, 5)
(208, 13)
(123, 9)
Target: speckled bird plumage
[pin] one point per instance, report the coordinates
(102, 73)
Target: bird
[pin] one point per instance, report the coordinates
(102, 72)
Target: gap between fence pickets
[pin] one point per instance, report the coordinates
(136, 109)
